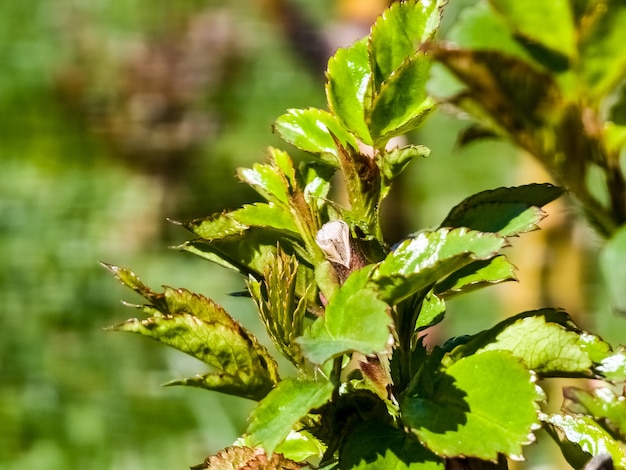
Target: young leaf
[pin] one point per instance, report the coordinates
(432, 312)
(281, 312)
(398, 33)
(355, 320)
(312, 130)
(507, 211)
(549, 24)
(401, 103)
(580, 437)
(268, 181)
(372, 446)
(552, 345)
(421, 261)
(281, 410)
(199, 327)
(393, 162)
(480, 406)
(237, 458)
(348, 81)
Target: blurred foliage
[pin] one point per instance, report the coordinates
(72, 191)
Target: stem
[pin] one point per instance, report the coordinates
(335, 374)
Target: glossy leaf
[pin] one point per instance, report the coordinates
(268, 181)
(547, 341)
(374, 446)
(429, 257)
(466, 416)
(199, 327)
(580, 437)
(506, 211)
(614, 269)
(281, 410)
(224, 224)
(348, 81)
(401, 103)
(549, 24)
(311, 129)
(355, 320)
(393, 162)
(398, 34)
(476, 275)
(600, 403)
(432, 312)
(300, 446)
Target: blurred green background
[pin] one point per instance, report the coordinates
(117, 115)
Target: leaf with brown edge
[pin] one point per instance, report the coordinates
(246, 458)
(201, 328)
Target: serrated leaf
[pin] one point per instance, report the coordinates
(581, 437)
(547, 340)
(374, 446)
(355, 320)
(614, 269)
(600, 403)
(347, 86)
(300, 446)
(394, 162)
(199, 327)
(461, 410)
(507, 211)
(277, 414)
(267, 181)
(310, 130)
(429, 257)
(246, 253)
(603, 58)
(238, 458)
(281, 311)
(549, 24)
(225, 224)
(401, 103)
(476, 275)
(398, 33)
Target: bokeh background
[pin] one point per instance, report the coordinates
(115, 116)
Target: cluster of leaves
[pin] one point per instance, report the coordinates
(349, 312)
(550, 77)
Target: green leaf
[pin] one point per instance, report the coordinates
(224, 224)
(614, 269)
(310, 130)
(348, 82)
(281, 312)
(476, 275)
(602, 404)
(199, 327)
(394, 162)
(506, 211)
(374, 446)
(547, 23)
(355, 320)
(580, 437)
(401, 103)
(511, 94)
(281, 410)
(398, 34)
(421, 261)
(603, 56)
(552, 345)
(268, 181)
(432, 312)
(300, 446)
(480, 406)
